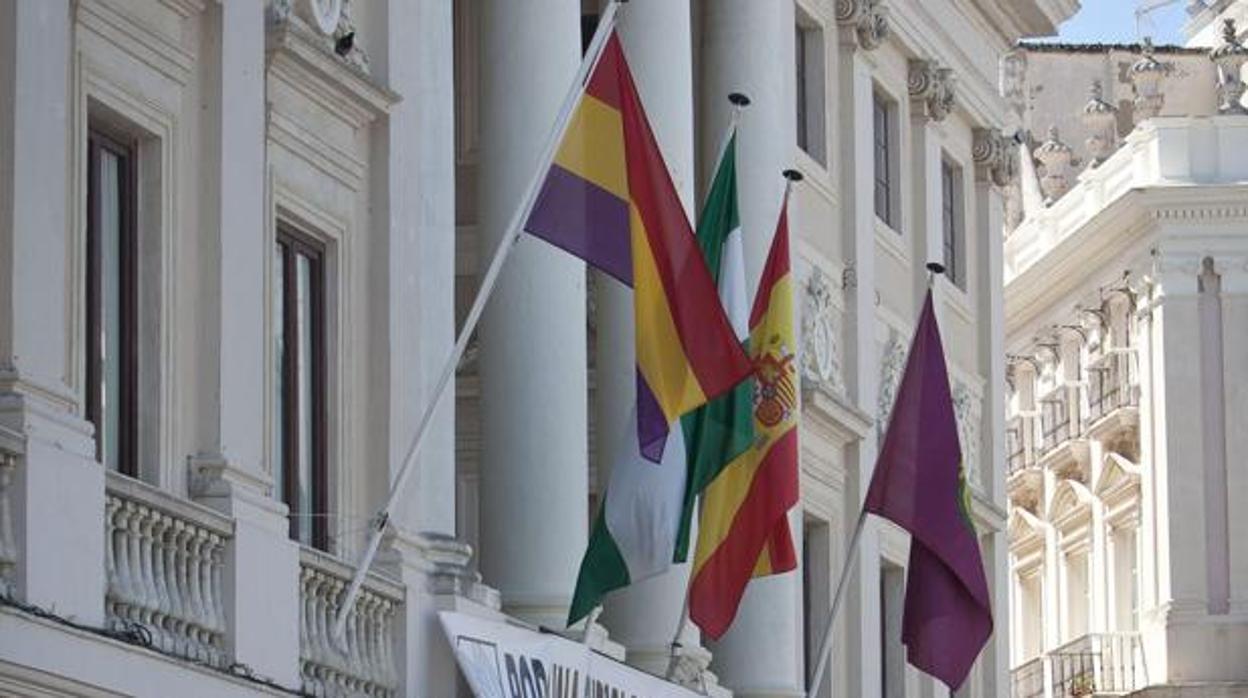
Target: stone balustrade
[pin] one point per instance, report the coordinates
(10, 451)
(163, 563)
(366, 665)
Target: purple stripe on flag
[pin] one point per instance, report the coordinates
(651, 422)
(586, 220)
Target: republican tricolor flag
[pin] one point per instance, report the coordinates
(608, 199)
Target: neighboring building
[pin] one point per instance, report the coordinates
(235, 240)
(1126, 271)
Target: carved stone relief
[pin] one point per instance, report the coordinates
(892, 365)
(996, 155)
(821, 350)
(932, 86)
(967, 407)
(867, 18)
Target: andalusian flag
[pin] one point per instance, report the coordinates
(744, 529)
(723, 429)
(918, 484)
(608, 198)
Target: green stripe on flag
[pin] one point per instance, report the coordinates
(602, 570)
(719, 432)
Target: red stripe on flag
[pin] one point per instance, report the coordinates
(777, 266)
(710, 346)
(716, 590)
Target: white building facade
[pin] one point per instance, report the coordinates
(1125, 279)
(236, 241)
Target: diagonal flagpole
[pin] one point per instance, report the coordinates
(851, 556)
(515, 227)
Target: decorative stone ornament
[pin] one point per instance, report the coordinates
(322, 14)
(1147, 75)
(1101, 119)
(821, 352)
(932, 86)
(1055, 158)
(891, 367)
(867, 18)
(968, 413)
(995, 156)
(1230, 58)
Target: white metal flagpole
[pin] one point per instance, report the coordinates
(515, 227)
(826, 642)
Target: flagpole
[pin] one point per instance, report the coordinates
(515, 227)
(825, 648)
(739, 101)
(933, 268)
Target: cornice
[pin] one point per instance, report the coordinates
(297, 56)
(1165, 217)
(923, 32)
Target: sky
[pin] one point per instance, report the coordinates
(1113, 21)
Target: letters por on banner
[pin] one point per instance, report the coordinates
(499, 660)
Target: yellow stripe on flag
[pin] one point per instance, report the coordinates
(593, 146)
(660, 355)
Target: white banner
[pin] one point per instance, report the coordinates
(507, 661)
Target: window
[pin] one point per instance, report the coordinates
(808, 44)
(1126, 578)
(816, 568)
(952, 222)
(299, 397)
(111, 299)
(892, 652)
(883, 112)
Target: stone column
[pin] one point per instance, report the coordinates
(534, 479)
(1178, 460)
(859, 32)
(262, 564)
(747, 46)
(657, 39)
(57, 547)
(1235, 373)
(413, 55)
(989, 240)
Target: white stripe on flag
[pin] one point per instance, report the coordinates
(644, 501)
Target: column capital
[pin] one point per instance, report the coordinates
(931, 88)
(995, 157)
(867, 21)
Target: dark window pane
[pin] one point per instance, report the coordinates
(111, 318)
(299, 435)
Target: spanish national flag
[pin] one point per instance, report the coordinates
(608, 198)
(744, 528)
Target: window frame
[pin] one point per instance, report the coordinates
(125, 150)
(292, 244)
(953, 221)
(885, 141)
(810, 93)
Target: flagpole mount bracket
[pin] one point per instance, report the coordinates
(792, 175)
(739, 99)
(936, 267)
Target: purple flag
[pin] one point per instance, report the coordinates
(918, 484)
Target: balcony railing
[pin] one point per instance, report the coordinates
(1027, 679)
(1058, 420)
(1096, 664)
(1112, 384)
(1016, 456)
(163, 560)
(10, 451)
(1099, 663)
(367, 666)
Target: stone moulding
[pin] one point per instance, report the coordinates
(868, 19)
